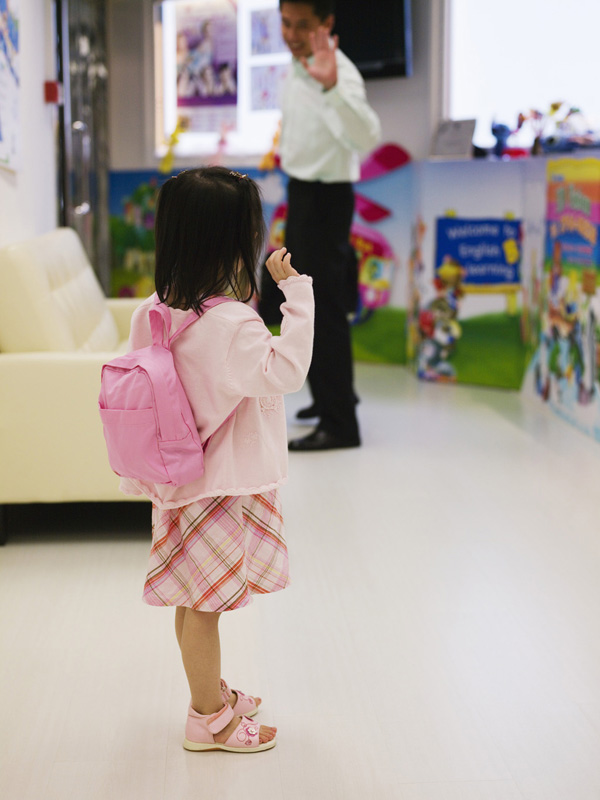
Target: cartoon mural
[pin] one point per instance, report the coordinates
(132, 205)
(529, 317)
(566, 365)
(473, 257)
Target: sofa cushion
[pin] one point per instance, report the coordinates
(51, 298)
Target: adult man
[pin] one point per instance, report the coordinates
(326, 123)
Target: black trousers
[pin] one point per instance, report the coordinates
(317, 235)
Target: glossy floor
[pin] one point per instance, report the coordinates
(441, 640)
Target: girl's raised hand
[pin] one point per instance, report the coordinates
(280, 266)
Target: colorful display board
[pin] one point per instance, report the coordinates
(565, 367)
(507, 298)
(447, 341)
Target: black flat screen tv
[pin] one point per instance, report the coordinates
(376, 35)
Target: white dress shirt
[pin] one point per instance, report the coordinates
(323, 133)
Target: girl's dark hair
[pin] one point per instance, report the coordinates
(210, 234)
(322, 8)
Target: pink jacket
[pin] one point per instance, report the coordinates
(229, 359)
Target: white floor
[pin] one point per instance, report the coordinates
(441, 640)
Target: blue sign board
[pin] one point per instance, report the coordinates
(488, 250)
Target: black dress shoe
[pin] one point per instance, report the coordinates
(308, 413)
(321, 440)
(311, 412)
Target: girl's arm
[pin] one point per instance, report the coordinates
(259, 363)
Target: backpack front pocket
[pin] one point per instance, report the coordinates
(132, 443)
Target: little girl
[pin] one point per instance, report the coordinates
(218, 540)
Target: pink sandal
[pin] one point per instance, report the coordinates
(245, 706)
(200, 733)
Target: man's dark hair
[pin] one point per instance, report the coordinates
(210, 234)
(322, 8)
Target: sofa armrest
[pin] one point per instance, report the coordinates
(51, 437)
(122, 308)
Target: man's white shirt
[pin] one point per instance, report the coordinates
(323, 133)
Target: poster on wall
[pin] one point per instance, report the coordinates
(219, 65)
(464, 322)
(207, 66)
(9, 84)
(266, 86)
(269, 59)
(564, 372)
(265, 27)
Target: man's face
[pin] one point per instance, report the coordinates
(298, 20)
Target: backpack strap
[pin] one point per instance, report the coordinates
(160, 319)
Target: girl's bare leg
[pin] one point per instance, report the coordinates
(201, 654)
(198, 636)
(179, 617)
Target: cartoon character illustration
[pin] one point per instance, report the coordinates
(376, 264)
(198, 74)
(277, 227)
(227, 83)
(567, 354)
(416, 271)
(201, 56)
(439, 328)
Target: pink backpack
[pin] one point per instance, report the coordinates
(148, 424)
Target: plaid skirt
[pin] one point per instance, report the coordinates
(212, 555)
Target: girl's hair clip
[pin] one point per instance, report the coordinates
(237, 175)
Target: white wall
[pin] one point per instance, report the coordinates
(130, 84)
(28, 204)
(409, 108)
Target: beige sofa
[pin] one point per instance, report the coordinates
(56, 330)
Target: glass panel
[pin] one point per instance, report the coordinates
(86, 128)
